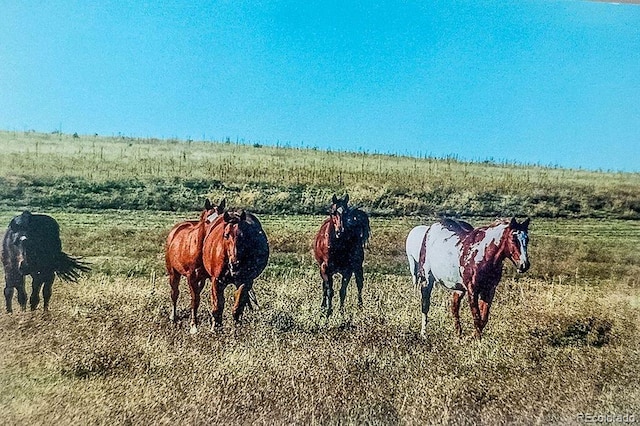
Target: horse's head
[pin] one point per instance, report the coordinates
(517, 241)
(232, 235)
(338, 212)
(21, 242)
(211, 212)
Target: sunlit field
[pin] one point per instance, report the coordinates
(562, 339)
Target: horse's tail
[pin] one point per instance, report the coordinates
(366, 232)
(69, 268)
(252, 299)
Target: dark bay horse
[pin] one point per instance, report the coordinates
(339, 248)
(32, 246)
(465, 260)
(235, 251)
(183, 257)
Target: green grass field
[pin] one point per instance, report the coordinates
(562, 339)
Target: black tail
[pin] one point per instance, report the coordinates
(69, 268)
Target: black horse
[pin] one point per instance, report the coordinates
(339, 248)
(32, 246)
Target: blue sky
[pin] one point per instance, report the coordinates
(543, 82)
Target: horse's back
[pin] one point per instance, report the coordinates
(457, 226)
(45, 249)
(43, 230)
(442, 252)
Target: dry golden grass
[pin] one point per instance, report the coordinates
(561, 340)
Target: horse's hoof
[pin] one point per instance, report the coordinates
(193, 330)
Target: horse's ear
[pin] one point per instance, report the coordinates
(207, 204)
(346, 199)
(334, 199)
(222, 205)
(227, 217)
(513, 223)
(243, 216)
(525, 224)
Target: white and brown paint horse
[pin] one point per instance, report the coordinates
(465, 260)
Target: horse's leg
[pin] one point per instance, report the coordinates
(323, 275)
(36, 285)
(484, 304)
(217, 302)
(46, 291)
(414, 268)
(11, 281)
(8, 297)
(475, 313)
(174, 283)
(359, 283)
(194, 289)
(346, 277)
(327, 287)
(425, 290)
(455, 310)
(241, 296)
(253, 300)
(22, 293)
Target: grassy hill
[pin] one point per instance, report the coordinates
(92, 172)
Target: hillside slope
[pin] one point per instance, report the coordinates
(93, 172)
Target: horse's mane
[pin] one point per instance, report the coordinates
(458, 227)
(496, 222)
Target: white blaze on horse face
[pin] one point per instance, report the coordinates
(523, 239)
(443, 253)
(491, 236)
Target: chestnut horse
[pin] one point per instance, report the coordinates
(339, 248)
(32, 246)
(465, 260)
(183, 257)
(235, 251)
